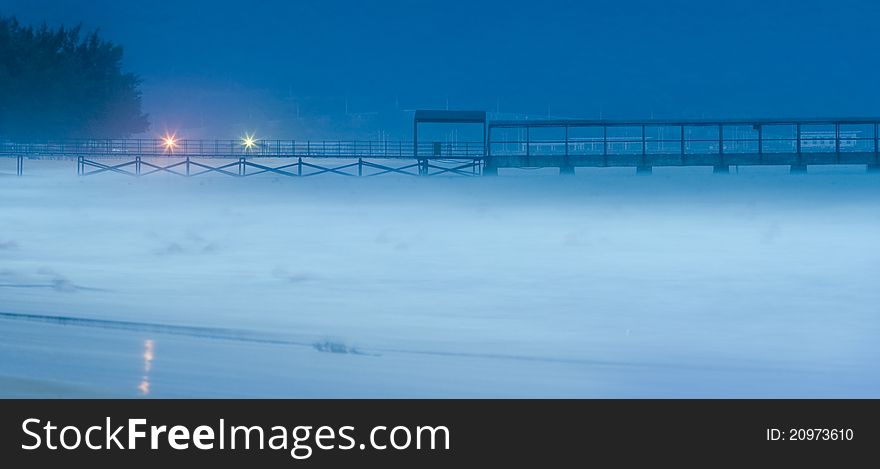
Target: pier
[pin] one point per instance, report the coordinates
(565, 144)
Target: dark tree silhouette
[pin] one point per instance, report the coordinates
(56, 84)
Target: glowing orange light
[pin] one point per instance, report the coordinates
(148, 354)
(144, 386)
(170, 141)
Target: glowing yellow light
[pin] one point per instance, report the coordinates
(249, 141)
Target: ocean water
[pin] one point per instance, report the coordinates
(606, 284)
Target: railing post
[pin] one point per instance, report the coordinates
(568, 167)
(681, 135)
(241, 165)
(837, 141)
(360, 167)
(487, 169)
(605, 144)
(761, 143)
(79, 165)
(876, 144)
(644, 147)
(187, 165)
(19, 165)
(800, 167)
(722, 167)
(528, 141)
(137, 165)
(566, 143)
(299, 166)
(642, 167)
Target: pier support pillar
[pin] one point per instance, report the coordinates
(721, 169)
(489, 169)
(566, 170)
(798, 169)
(644, 170)
(19, 165)
(873, 168)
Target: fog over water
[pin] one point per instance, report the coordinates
(682, 283)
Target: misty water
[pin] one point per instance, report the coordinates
(606, 284)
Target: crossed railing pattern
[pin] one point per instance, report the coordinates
(189, 167)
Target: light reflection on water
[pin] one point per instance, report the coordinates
(144, 386)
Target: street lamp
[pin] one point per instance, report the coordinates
(170, 142)
(249, 141)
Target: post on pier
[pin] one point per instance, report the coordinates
(760, 129)
(722, 167)
(875, 167)
(80, 165)
(187, 165)
(681, 142)
(567, 169)
(242, 163)
(19, 165)
(799, 167)
(488, 168)
(643, 166)
(605, 145)
(837, 142)
(137, 165)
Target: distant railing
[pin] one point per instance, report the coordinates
(590, 138)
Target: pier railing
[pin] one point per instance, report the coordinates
(97, 148)
(582, 137)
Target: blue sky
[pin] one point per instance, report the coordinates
(356, 67)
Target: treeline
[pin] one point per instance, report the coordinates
(59, 83)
